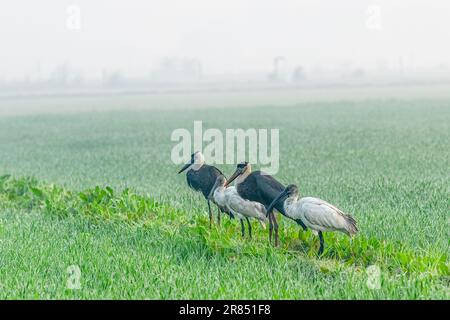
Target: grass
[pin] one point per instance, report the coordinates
(386, 162)
(128, 245)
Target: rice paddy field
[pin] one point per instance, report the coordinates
(88, 183)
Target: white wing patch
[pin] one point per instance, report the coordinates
(219, 196)
(247, 208)
(321, 215)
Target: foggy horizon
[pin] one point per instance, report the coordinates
(232, 37)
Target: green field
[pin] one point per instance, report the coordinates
(385, 161)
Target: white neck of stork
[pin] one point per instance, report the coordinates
(290, 201)
(199, 161)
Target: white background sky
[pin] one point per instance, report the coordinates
(227, 36)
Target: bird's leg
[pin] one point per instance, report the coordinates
(300, 222)
(210, 214)
(242, 228)
(270, 227)
(249, 227)
(275, 226)
(218, 215)
(321, 243)
(303, 225)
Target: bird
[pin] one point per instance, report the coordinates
(201, 177)
(317, 214)
(263, 188)
(239, 207)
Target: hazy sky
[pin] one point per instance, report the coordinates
(227, 36)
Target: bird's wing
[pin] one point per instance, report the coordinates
(321, 213)
(269, 187)
(231, 194)
(216, 172)
(192, 179)
(236, 203)
(219, 197)
(270, 181)
(206, 178)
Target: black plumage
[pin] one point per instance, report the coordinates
(203, 179)
(263, 188)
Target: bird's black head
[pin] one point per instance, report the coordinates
(240, 169)
(289, 191)
(196, 158)
(193, 156)
(242, 165)
(220, 182)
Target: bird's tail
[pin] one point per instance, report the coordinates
(351, 228)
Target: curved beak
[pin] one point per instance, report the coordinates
(275, 201)
(187, 165)
(234, 176)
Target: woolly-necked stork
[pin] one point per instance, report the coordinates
(263, 188)
(201, 177)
